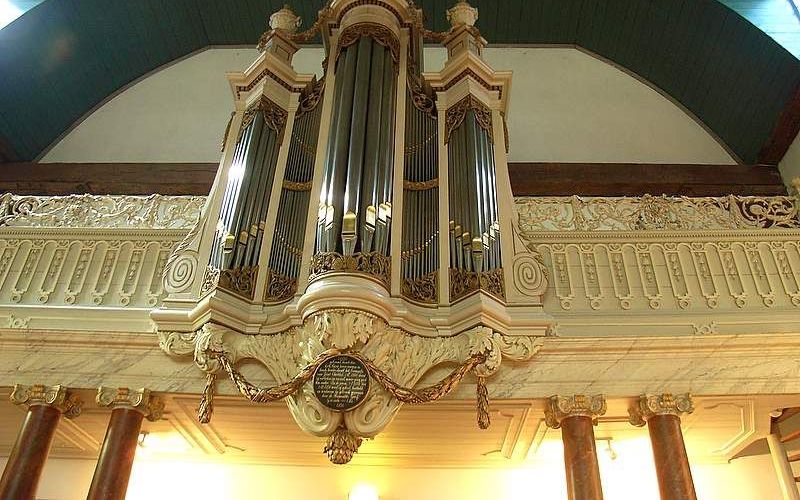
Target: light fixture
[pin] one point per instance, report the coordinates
(363, 492)
(612, 453)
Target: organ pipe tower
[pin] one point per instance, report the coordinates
(376, 188)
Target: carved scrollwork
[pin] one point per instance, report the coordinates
(111, 212)
(463, 283)
(311, 97)
(395, 359)
(239, 280)
(280, 288)
(455, 116)
(371, 263)
(377, 32)
(424, 289)
(274, 116)
(181, 267)
(656, 213)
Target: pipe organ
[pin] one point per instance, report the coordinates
(368, 207)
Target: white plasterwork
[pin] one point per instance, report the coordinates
(404, 357)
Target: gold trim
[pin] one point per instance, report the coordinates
(296, 186)
(422, 185)
(377, 32)
(455, 116)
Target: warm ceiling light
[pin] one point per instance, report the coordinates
(363, 492)
(162, 443)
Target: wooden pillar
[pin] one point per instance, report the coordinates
(576, 416)
(662, 416)
(45, 407)
(128, 410)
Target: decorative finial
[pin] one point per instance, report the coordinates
(461, 14)
(285, 19)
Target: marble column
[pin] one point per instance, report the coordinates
(576, 416)
(128, 410)
(662, 414)
(45, 405)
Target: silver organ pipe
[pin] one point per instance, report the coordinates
(287, 241)
(243, 214)
(354, 217)
(420, 248)
(353, 183)
(475, 260)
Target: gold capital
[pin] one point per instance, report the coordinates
(649, 405)
(141, 400)
(579, 405)
(57, 396)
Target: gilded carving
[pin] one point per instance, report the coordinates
(280, 288)
(377, 32)
(424, 289)
(371, 263)
(648, 406)
(341, 446)
(579, 405)
(456, 113)
(274, 116)
(141, 400)
(463, 283)
(56, 396)
(239, 280)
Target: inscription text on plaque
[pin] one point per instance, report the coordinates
(341, 382)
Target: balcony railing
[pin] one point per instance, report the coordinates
(623, 265)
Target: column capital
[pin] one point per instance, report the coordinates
(141, 400)
(56, 396)
(560, 407)
(649, 405)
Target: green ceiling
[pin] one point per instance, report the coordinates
(64, 57)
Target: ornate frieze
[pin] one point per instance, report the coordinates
(56, 396)
(561, 407)
(100, 212)
(66, 266)
(648, 406)
(685, 272)
(656, 213)
(141, 400)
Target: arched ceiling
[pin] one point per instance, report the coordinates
(64, 57)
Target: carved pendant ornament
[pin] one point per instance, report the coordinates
(344, 373)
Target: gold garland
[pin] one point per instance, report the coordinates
(403, 394)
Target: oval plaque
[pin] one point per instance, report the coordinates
(341, 382)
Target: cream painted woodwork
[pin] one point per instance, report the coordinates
(730, 349)
(567, 106)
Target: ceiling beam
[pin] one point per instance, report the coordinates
(527, 179)
(786, 129)
(636, 179)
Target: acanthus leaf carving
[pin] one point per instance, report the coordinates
(396, 359)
